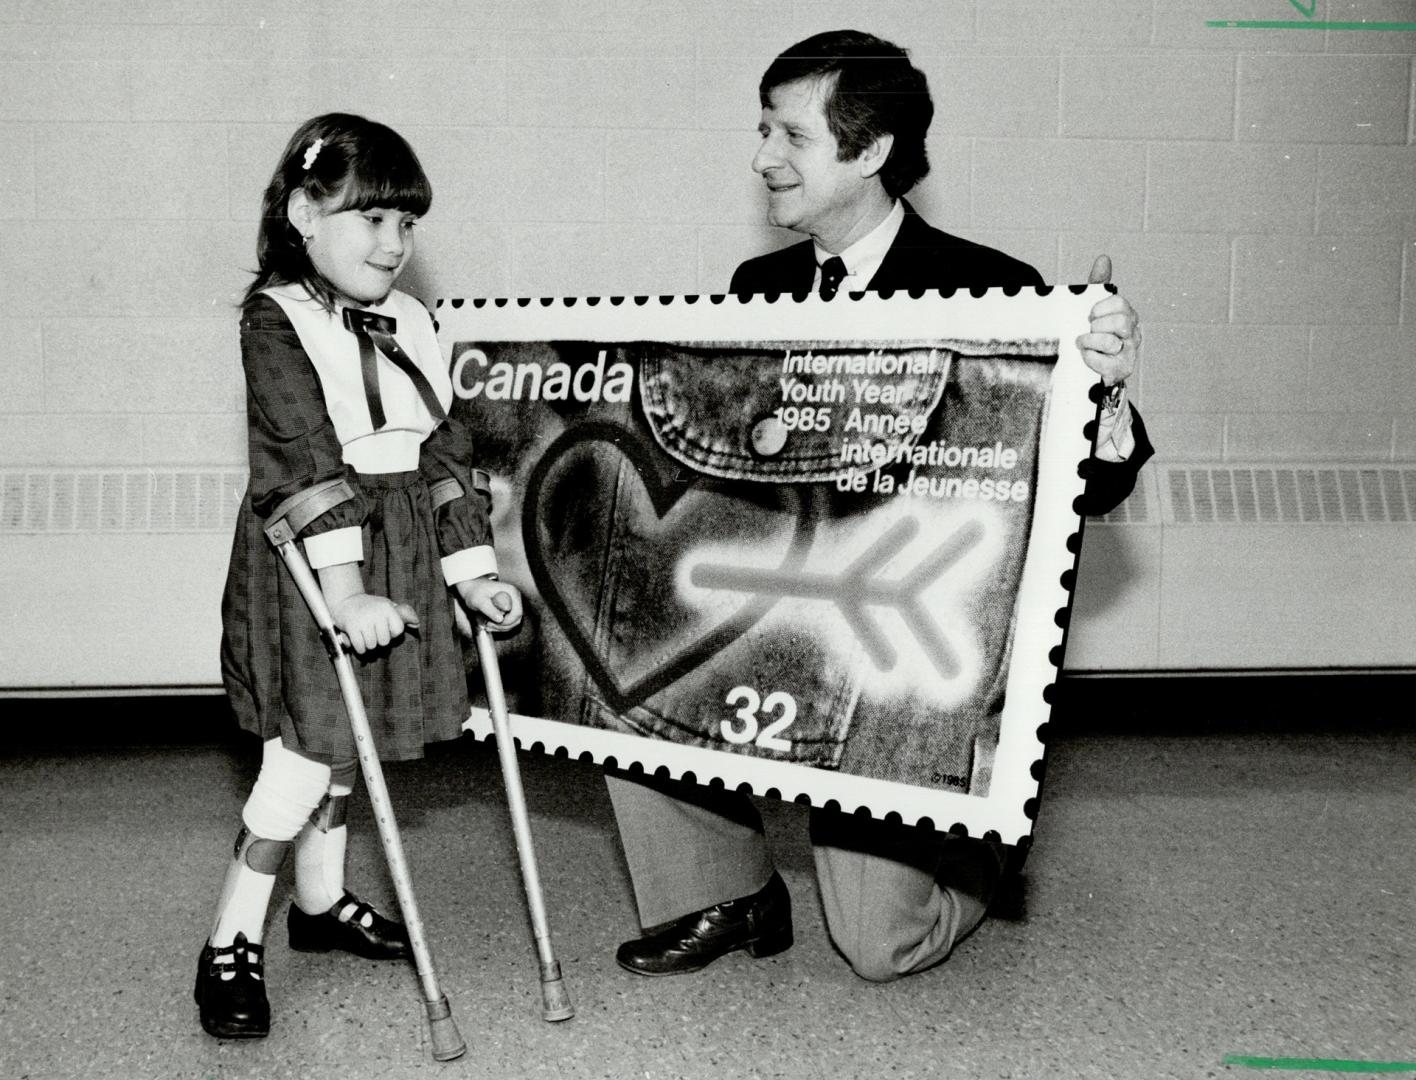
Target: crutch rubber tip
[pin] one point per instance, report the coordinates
(555, 998)
(447, 1042)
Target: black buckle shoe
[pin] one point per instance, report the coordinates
(760, 923)
(382, 939)
(235, 1007)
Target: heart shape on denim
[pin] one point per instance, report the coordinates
(606, 519)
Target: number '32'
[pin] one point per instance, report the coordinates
(745, 728)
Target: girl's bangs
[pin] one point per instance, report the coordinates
(391, 180)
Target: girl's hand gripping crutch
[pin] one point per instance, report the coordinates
(555, 999)
(446, 1041)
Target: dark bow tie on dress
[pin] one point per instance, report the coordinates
(375, 331)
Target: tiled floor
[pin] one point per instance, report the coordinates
(1191, 896)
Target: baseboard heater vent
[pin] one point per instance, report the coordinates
(1347, 495)
(206, 500)
(120, 501)
(1271, 495)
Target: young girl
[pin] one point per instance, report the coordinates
(350, 441)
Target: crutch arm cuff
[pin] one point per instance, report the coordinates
(482, 483)
(294, 514)
(444, 491)
(449, 488)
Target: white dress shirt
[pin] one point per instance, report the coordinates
(863, 257)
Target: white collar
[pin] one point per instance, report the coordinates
(864, 257)
(392, 304)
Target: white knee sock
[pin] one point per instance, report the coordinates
(245, 897)
(321, 846)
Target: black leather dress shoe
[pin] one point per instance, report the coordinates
(234, 1007)
(760, 923)
(382, 939)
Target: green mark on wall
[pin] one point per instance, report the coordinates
(1320, 1064)
(1300, 24)
(1306, 23)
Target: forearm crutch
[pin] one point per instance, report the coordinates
(446, 1041)
(555, 999)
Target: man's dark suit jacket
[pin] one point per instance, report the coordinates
(923, 257)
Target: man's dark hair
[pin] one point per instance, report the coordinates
(872, 90)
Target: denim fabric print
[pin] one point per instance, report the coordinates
(707, 559)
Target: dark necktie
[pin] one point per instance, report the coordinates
(373, 330)
(833, 272)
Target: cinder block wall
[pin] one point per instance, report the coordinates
(1256, 188)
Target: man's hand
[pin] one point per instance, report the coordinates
(1110, 347)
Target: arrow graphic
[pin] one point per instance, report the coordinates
(857, 588)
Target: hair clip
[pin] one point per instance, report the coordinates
(312, 153)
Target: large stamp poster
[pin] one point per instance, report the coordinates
(816, 548)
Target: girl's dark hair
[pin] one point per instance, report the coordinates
(873, 90)
(359, 164)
